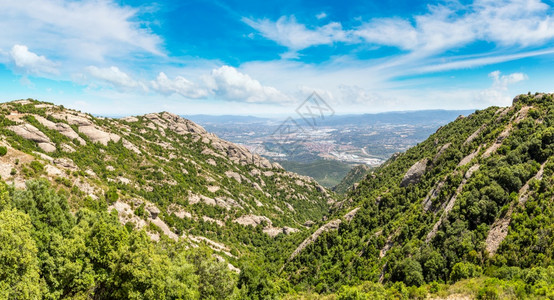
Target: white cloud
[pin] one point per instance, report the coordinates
(179, 85)
(498, 93)
(446, 26)
(288, 32)
(31, 62)
(82, 32)
(228, 83)
(114, 76)
(321, 15)
(390, 32)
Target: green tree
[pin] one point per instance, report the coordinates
(19, 271)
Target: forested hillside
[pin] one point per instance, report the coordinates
(149, 206)
(154, 207)
(472, 201)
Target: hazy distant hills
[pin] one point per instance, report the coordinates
(226, 119)
(397, 117)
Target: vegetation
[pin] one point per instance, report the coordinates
(355, 175)
(400, 236)
(327, 172)
(395, 215)
(49, 253)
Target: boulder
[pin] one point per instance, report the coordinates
(65, 163)
(153, 210)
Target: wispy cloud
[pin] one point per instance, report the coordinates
(114, 76)
(519, 23)
(286, 31)
(81, 31)
(498, 94)
(321, 15)
(30, 62)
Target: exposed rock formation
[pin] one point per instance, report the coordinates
(30, 132)
(451, 203)
(415, 173)
(97, 135)
(62, 128)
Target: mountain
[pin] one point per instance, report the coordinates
(417, 117)
(158, 174)
(470, 206)
(156, 207)
(327, 172)
(351, 178)
(227, 119)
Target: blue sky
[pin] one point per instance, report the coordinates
(264, 57)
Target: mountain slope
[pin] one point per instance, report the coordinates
(160, 172)
(476, 195)
(353, 176)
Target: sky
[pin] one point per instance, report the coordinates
(264, 58)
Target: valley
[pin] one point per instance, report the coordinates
(215, 214)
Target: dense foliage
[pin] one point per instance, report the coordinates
(49, 253)
(391, 239)
(431, 236)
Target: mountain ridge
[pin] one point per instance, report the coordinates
(186, 183)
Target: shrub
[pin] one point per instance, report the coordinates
(3, 150)
(464, 270)
(111, 195)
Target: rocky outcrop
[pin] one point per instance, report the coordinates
(333, 225)
(451, 203)
(97, 135)
(31, 133)
(73, 119)
(441, 152)
(252, 220)
(130, 146)
(233, 175)
(65, 163)
(415, 173)
(62, 128)
(518, 117)
(475, 134)
(499, 229)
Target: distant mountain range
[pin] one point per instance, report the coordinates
(395, 117)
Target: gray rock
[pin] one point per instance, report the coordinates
(153, 210)
(415, 173)
(30, 132)
(97, 135)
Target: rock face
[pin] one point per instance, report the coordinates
(62, 128)
(98, 136)
(414, 173)
(65, 163)
(30, 132)
(252, 220)
(130, 146)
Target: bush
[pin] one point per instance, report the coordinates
(464, 270)
(36, 166)
(111, 195)
(3, 150)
